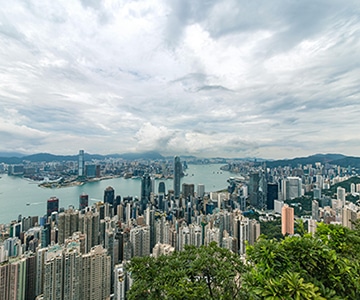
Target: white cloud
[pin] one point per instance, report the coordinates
(227, 78)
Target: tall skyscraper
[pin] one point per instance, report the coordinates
(315, 210)
(272, 195)
(161, 196)
(52, 205)
(287, 220)
(30, 276)
(341, 195)
(188, 190)
(89, 224)
(53, 273)
(200, 190)
(71, 270)
(161, 189)
(109, 195)
(120, 282)
(140, 240)
(83, 201)
(81, 170)
(68, 223)
(146, 189)
(177, 176)
(253, 189)
(291, 188)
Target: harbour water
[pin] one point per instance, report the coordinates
(22, 197)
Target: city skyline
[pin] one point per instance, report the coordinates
(216, 78)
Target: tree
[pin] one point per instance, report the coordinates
(319, 268)
(207, 272)
(323, 266)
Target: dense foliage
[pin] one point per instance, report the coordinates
(271, 229)
(196, 273)
(323, 266)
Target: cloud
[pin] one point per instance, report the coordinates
(222, 78)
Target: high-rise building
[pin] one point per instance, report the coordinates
(287, 220)
(13, 279)
(109, 195)
(161, 189)
(257, 190)
(253, 189)
(68, 223)
(92, 171)
(317, 193)
(315, 210)
(348, 217)
(272, 195)
(188, 190)
(140, 240)
(71, 271)
(52, 205)
(341, 194)
(70, 275)
(177, 176)
(53, 273)
(146, 190)
(291, 188)
(83, 201)
(40, 271)
(120, 284)
(89, 224)
(200, 190)
(81, 170)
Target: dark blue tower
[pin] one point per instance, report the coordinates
(177, 176)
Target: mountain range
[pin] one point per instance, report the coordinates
(333, 159)
(47, 157)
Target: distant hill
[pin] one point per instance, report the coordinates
(345, 184)
(336, 159)
(47, 157)
(348, 161)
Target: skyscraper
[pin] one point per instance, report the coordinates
(83, 201)
(188, 190)
(161, 189)
(68, 223)
(177, 176)
(341, 195)
(53, 273)
(253, 189)
(96, 274)
(81, 170)
(146, 189)
(200, 190)
(89, 224)
(291, 188)
(287, 220)
(272, 195)
(109, 195)
(52, 205)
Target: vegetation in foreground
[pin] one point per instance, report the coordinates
(323, 266)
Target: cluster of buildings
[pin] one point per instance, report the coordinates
(81, 252)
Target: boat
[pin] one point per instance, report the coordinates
(28, 204)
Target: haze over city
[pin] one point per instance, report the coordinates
(270, 79)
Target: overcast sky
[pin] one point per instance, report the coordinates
(229, 78)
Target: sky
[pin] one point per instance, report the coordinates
(230, 78)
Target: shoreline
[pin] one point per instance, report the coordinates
(71, 183)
